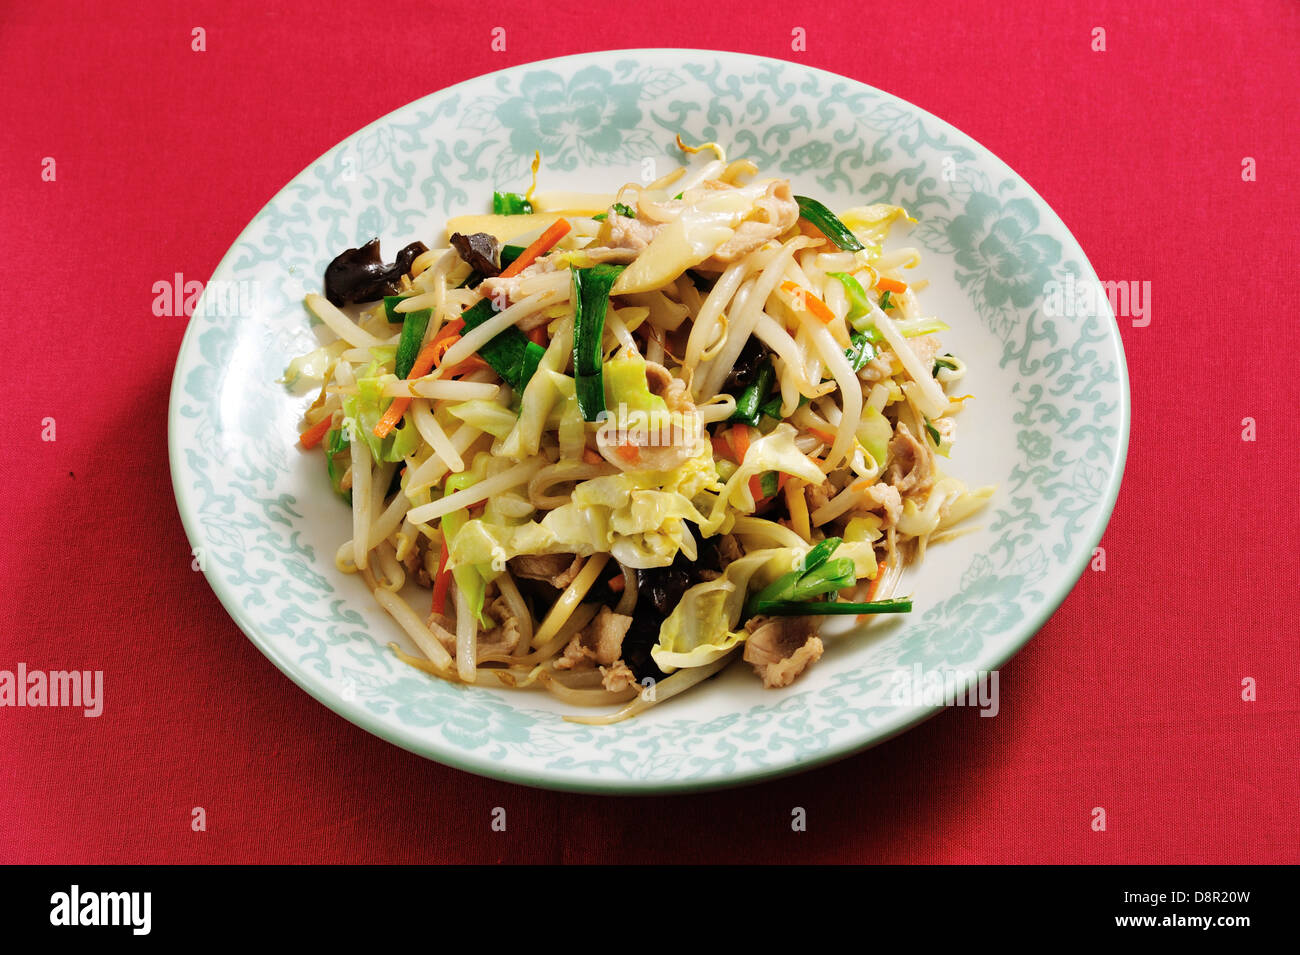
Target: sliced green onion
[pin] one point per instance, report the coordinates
(511, 355)
(943, 362)
(510, 204)
(820, 553)
(933, 432)
(916, 327)
(769, 482)
(816, 574)
(751, 398)
(794, 608)
(861, 351)
(408, 347)
(828, 223)
(859, 304)
(390, 308)
(772, 406)
(884, 300)
(590, 302)
(622, 209)
(509, 253)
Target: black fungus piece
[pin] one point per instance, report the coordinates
(480, 252)
(360, 275)
(641, 636)
(663, 587)
(745, 371)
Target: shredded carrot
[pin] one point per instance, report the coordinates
(591, 457)
(891, 285)
(810, 230)
(537, 335)
(441, 579)
(823, 436)
(617, 584)
(312, 436)
(739, 435)
(471, 364)
(540, 246)
(811, 303)
(392, 414)
(439, 348)
(722, 448)
(628, 452)
(429, 355)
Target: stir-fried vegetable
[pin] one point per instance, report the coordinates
(541, 245)
(643, 461)
(828, 224)
(510, 204)
(590, 301)
(408, 348)
(793, 608)
(509, 353)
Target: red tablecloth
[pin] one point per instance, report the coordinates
(1129, 699)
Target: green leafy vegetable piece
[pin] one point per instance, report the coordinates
(795, 608)
(509, 253)
(510, 354)
(510, 204)
(413, 328)
(861, 351)
(590, 302)
(828, 223)
(750, 403)
(859, 304)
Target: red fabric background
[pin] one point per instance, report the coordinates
(1129, 698)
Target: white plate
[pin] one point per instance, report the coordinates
(1049, 426)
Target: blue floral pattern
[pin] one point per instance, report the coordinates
(267, 526)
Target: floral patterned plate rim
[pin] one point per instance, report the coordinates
(1049, 426)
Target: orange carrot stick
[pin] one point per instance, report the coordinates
(811, 303)
(312, 436)
(540, 246)
(429, 356)
(891, 285)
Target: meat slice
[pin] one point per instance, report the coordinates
(599, 643)
(503, 638)
(672, 441)
(628, 233)
(781, 648)
(775, 212)
(885, 499)
(497, 288)
(911, 468)
(558, 570)
(617, 678)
